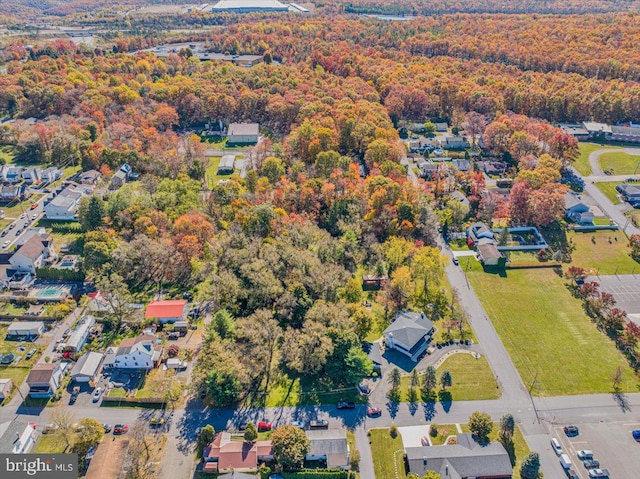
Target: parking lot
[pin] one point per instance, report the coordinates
(625, 289)
(612, 445)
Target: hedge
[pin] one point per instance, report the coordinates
(59, 274)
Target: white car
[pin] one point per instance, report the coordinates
(585, 455)
(96, 394)
(5, 244)
(33, 217)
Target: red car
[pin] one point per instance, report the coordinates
(264, 426)
(120, 429)
(374, 411)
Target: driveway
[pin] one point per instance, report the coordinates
(594, 158)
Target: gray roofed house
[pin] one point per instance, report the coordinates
(576, 210)
(597, 130)
(118, 179)
(461, 164)
(625, 133)
(464, 460)
(478, 231)
(238, 475)
(243, 133)
(409, 333)
(87, 367)
(630, 192)
(17, 437)
(441, 126)
(226, 165)
(329, 445)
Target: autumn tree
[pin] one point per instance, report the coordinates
(290, 446)
(92, 432)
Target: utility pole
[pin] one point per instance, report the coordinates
(531, 397)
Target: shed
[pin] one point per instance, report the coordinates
(87, 367)
(243, 133)
(226, 165)
(181, 326)
(6, 386)
(80, 334)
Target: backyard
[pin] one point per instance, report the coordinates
(622, 163)
(544, 327)
(212, 177)
(606, 251)
(609, 190)
(286, 391)
(472, 379)
(387, 452)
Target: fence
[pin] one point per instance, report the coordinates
(318, 474)
(152, 403)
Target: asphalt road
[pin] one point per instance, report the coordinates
(23, 221)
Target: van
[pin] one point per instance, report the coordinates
(555, 444)
(565, 461)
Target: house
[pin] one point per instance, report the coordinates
(87, 367)
(25, 329)
(330, 447)
(80, 334)
(578, 131)
(135, 353)
(6, 386)
(461, 164)
(459, 197)
(372, 282)
(455, 143)
(631, 193)
(226, 455)
(465, 460)
(118, 179)
(489, 255)
(428, 169)
(31, 176)
(44, 379)
(247, 6)
(225, 167)
(243, 133)
(247, 60)
(597, 130)
(238, 475)
(493, 168)
(479, 231)
(65, 205)
(51, 174)
(576, 210)
(14, 193)
(90, 177)
(441, 126)
(12, 174)
(17, 437)
(409, 333)
(629, 134)
(35, 253)
(10, 278)
(167, 311)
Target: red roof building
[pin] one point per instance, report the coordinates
(167, 311)
(225, 454)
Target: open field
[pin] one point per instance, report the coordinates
(582, 162)
(50, 444)
(547, 333)
(383, 450)
(472, 379)
(621, 162)
(521, 447)
(301, 392)
(212, 176)
(444, 431)
(609, 190)
(606, 251)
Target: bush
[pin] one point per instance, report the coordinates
(393, 431)
(433, 430)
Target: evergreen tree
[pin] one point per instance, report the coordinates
(530, 468)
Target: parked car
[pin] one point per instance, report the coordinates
(96, 394)
(565, 461)
(591, 464)
(455, 261)
(34, 206)
(299, 424)
(33, 217)
(598, 473)
(5, 244)
(319, 424)
(557, 447)
(4, 233)
(571, 430)
(120, 429)
(264, 426)
(346, 405)
(156, 421)
(374, 412)
(571, 474)
(364, 389)
(585, 455)
(12, 225)
(107, 428)
(636, 434)
(173, 336)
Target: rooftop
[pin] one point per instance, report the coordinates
(166, 309)
(241, 129)
(87, 364)
(409, 327)
(41, 373)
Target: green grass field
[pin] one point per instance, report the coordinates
(547, 333)
(621, 162)
(609, 190)
(521, 447)
(212, 175)
(383, 450)
(606, 251)
(472, 379)
(50, 444)
(582, 162)
(296, 392)
(444, 431)
(6, 155)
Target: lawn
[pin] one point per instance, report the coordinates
(547, 333)
(607, 251)
(12, 347)
(582, 162)
(444, 431)
(50, 444)
(302, 392)
(621, 162)
(521, 447)
(383, 450)
(472, 379)
(17, 375)
(12, 212)
(609, 190)
(6, 154)
(212, 177)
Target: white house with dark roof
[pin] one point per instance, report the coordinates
(465, 460)
(135, 353)
(51, 174)
(17, 437)
(31, 175)
(65, 205)
(409, 333)
(329, 446)
(576, 210)
(44, 379)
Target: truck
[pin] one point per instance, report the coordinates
(319, 424)
(565, 461)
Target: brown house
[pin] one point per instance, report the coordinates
(226, 454)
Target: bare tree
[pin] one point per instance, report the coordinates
(142, 446)
(63, 419)
(474, 124)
